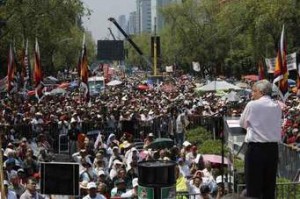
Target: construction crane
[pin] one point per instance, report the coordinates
(149, 64)
(112, 34)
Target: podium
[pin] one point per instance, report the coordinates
(157, 180)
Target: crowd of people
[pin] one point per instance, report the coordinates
(122, 115)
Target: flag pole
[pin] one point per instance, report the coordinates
(1, 168)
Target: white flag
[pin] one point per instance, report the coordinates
(196, 66)
(169, 69)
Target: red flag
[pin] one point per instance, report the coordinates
(38, 75)
(280, 71)
(298, 81)
(105, 72)
(84, 71)
(261, 70)
(11, 69)
(25, 73)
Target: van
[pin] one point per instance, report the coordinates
(96, 84)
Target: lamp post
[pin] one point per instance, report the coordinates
(2, 23)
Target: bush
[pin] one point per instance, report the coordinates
(203, 140)
(198, 135)
(287, 191)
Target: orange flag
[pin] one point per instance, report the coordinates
(280, 71)
(84, 71)
(38, 75)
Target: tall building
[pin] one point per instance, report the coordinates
(123, 23)
(156, 17)
(132, 23)
(144, 16)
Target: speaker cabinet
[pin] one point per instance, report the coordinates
(59, 178)
(110, 50)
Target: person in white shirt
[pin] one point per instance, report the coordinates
(262, 118)
(180, 129)
(92, 192)
(183, 168)
(194, 187)
(132, 193)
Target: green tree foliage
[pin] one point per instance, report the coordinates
(143, 41)
(55, 23)
(204, 141)
(226, 38)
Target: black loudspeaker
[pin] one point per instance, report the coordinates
(156, 173)
(59, 178)
(110, 50)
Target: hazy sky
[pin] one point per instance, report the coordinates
(98, 24)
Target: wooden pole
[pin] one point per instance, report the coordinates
(3, 195)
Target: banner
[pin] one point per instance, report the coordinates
(168, 192)
(196, 66)
(291, 63)
(145, 192)
(169, 69)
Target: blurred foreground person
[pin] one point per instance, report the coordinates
(262, 120)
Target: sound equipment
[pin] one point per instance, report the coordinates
(110, 50)
(59, 178)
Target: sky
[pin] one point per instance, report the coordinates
(98, 22)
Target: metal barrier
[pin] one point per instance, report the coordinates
(289, 162)
(289, 190)
(186, 195)
(289, 159)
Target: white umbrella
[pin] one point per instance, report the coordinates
(242, 85)
(218, 85)
(114, 83)
(233, 97)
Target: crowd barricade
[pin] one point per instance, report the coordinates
(289, 163)
(290, 190)
(289, 159)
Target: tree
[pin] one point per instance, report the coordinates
(226, 38)
(55, 23)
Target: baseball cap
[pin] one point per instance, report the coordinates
(101, 172)
(5, 182)
(91, 185)
(115, 147)
(21, 170)
(186, 143)
(118, 162)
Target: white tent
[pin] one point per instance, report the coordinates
(114, 83)
(218, 85)
(232, 97)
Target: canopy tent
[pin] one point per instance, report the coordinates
(114, 83)
(232, 97)
(218, 85)
(57, 91)
(242, 85)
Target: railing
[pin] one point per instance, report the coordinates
(283, 190)
(186, 195)
(289, 159)
(289, 162)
